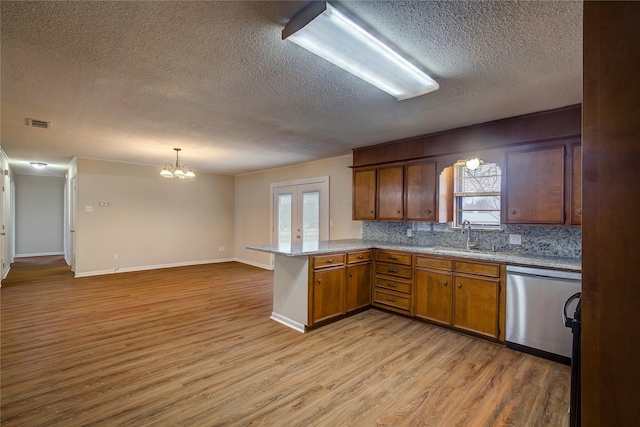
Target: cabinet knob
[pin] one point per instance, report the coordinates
(428, 211)
(391, 257)
(579, 211)
(398, 212)
(319, 280)
(391, 299)
(444, 283)
(359, 256)
(370, 211)
(459, 285)
(330, 261)
(513, 212)
(350, 274)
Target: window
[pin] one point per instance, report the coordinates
(477, 195)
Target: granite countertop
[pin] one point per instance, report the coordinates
(330, 246)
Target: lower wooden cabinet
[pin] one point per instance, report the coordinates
(433, 298)
(460, 293)
(328, 294)
(338, 284)
(392, 288)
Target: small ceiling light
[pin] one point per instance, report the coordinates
(330, 34)
(38, 165)
(177, 171)
(473, 164)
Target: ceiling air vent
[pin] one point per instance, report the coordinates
(38, 123)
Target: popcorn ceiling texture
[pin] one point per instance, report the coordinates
(562, 242)
(129, 80)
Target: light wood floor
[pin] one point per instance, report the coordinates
(194, 346)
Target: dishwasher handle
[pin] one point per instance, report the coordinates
(568, 322)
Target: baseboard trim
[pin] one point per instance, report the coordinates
(37, 254)
(151, 267)
(287, 322)
(255, 264)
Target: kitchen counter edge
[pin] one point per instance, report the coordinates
(348, 245)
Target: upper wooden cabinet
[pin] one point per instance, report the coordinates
(421, 192)
(364, 194)
(535, 184)
(396, 193)
(390, 193)
(576, 184)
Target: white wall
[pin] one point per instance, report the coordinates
(39, 215)
(151, 221)
(252, 203)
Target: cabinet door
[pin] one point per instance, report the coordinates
(364, 194)
(358, 286)
(576, 184)
(328, 294)
(391, 193)
(433, 296)
(476, 305)
(535, 186)
(421, 192)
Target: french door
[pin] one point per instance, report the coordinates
(301, 211)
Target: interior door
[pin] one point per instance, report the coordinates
(301, 212)
(3, 231)
(73, 213)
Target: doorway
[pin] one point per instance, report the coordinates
(300, 211)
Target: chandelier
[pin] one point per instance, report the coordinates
(177, 171)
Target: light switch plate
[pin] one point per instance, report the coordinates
(88, 208)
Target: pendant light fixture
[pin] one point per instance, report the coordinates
(177, 171)
(331, 34)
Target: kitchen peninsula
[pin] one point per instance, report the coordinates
(300, 269)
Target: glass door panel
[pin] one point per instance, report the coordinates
(311, 216)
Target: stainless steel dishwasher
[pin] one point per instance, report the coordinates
(535, 302)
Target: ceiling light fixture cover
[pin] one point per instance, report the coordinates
(38, 165)
(330, 34)
(177, 171)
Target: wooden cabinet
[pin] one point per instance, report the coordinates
(576, 184)
(421, 192)
(460, 293)
(406, 192)
(393, 286)
(535, 184)
(364, 194)
(327, 287)
(338, 284)
(390, 199)
(358, 291)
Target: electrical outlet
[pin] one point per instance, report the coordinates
(115, 257)
(88, 208)
(515, 239)
(409, 232)
(221, 248)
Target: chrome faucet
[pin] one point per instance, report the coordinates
(468, 224)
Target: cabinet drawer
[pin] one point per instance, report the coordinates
(392, 299)
(395, 285)
(394, 257)
(393, 270)
(492, 270)
(439, 263)
(355, 257)
(322, 261)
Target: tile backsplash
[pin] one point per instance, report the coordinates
(563, 242)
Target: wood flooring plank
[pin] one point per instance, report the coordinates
(136, 349)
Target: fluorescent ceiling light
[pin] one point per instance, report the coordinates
(330, 34)
(38, 165)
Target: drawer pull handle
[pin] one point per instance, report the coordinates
(391, 299)
(459, 285)
(444, 283)
(392, 270)
(359, 256)
(392, 257)
(393, 285)
(330, 261)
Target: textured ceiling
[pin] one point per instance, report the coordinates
(129, 80)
